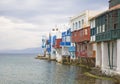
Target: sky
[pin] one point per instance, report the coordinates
(23, 22)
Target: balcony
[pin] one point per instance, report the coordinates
(65, 43)
(109, 35)
(115, 34)
(81, 35)
(72, 49)
(57, 43)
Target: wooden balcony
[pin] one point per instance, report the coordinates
(74, 36)
(81, 35)
(109, 35)
(57, 43)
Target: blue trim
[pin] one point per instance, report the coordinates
(54, 39)
(63, 34)
(65, 43)
(48, 49)
(68, 32)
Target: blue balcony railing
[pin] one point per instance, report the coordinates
(65, 43)
(72, 49)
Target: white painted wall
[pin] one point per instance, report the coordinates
(85, 15)
(104, 51)
(98, 55)
(58, 35)
(115, 55)
(82, 17)
(118, 55)
(53, 51)
(59, 55)
(105, 59)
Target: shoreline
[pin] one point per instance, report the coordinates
(93, 71)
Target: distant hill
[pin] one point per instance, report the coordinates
(37, 50)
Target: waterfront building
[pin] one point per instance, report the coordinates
(80, 28)
(48, 47)
(106, 34)
(66, 43)
(44, 39)
(53, 34)
(57, 46)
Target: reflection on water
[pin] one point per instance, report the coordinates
(24, 69)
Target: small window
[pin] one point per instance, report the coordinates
(100, 28)
(103, 28)
(79, 24)
(115, 26)
(91, 32)
(76, 25)
(82, 22)
(97, 30)
(73, 26)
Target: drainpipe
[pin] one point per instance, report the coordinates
(76, 50)
(112, 54)
(109, 54)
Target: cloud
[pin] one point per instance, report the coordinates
(16, 35)
(23, 22)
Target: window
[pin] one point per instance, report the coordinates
(76, 25)
(82, 22)
(91, 32)
(97, 30)
(92, 24)
(73, 26)
(103, 28)
(79, 24)
(115, 26)
(63, 39)
(100, 29)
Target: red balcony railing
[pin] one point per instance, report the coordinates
(57, 43)
(81, 35)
